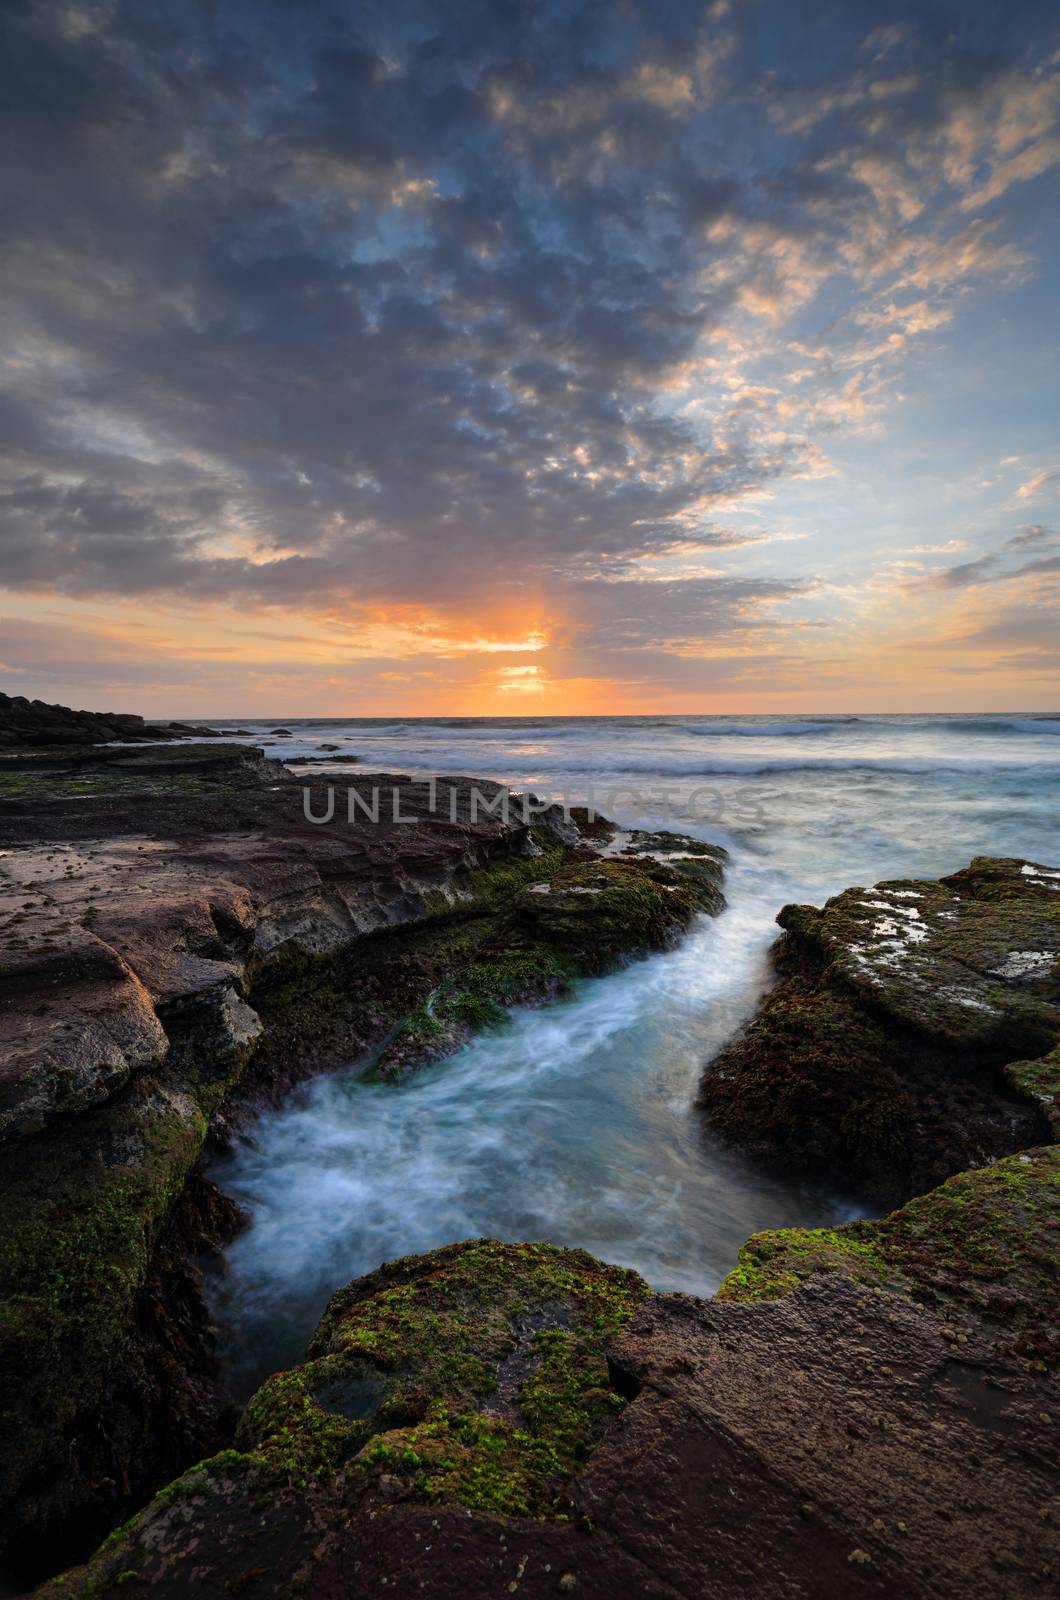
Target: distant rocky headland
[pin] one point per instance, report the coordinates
(34, 722)
(869, 1410)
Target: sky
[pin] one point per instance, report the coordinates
(497, 357)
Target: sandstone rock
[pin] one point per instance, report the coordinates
(492, 1415)
(879, 1056)
(157, 932)
(75, 1022)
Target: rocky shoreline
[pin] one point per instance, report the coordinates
(866, 1410)
(34, 723)
(882, 1056)
(172, 936)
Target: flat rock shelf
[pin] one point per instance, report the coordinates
(867, 1409)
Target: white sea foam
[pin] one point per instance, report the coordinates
(575, 1123)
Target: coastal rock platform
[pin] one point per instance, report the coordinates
(881, 1057)
(867, 1411)
(178, 943)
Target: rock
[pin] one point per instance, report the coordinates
(33, 723)
(979, 1250)
(341, 760)
(30, 779)
(75, 1022)
(281, 733)
(599, 910)
(488, 1415)
(175, 932)
(1039, 1081)
(879, 1057)
(473, 1377)
(184, 730)
(81, 1389)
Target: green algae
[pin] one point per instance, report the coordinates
(15, 785)
(472, 1376)
(598, 912)
(1039, 1081)
(495, 1378)
(879, 1058)
(76, 1241)
(773, 1263)
(984, 1243)
(810, 1079)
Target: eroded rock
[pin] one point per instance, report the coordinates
(864, 1411)
(878, 1058)
(158, 932)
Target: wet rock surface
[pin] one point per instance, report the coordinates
(170, 920)
(491, 1419)
(869, 1410)
(880, 1056)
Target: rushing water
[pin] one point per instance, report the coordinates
(575, 1123)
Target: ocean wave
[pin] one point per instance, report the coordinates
(1034, 725)
(912, 766)
(768, 730)
(510, 767)
(494, 731)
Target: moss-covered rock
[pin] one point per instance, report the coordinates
(515, 931)
(971, 960)
(87, 1380)
(475, 1376)
(598, 911)
(477, 1371)
(879, 1057)
(105, 1389)
(1039, 1082)
(982, 1250)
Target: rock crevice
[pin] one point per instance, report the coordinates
(169, 957)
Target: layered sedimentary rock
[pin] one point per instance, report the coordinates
(169, 918)
(882, 1055)
(868, 1410)
(863, 1411)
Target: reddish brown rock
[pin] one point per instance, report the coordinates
(873, 1428)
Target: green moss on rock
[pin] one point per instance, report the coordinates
(809, 1082)
(773, 1263)
(879, 1059)
(598, 911)
(516, 930)
(983, 1245)
(496, 1378)
(474, 1376)
(1039, 1081)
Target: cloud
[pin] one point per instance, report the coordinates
(1034, 485)
(1033, 534)
(412, 318)
(947, 548)
(996, 566)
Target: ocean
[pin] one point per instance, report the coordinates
(575, 1123)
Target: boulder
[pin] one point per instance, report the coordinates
(879, 1057)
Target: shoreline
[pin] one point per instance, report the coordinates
(222, 954)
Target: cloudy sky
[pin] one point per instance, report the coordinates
(499, 356)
